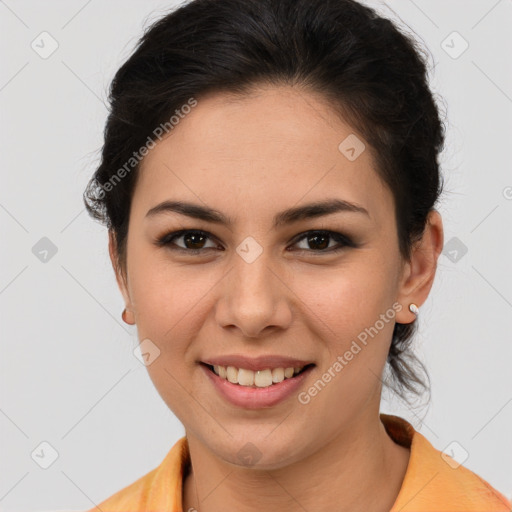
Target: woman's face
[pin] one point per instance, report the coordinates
(255, 289)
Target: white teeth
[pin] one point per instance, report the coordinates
(263, 378)
(245, 377)
(260, 378)
(232, 374)
(278, 375)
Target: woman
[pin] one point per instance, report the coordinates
(269, 179)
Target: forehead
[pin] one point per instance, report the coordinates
(274, 148)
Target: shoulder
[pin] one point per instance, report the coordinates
(157, 489)
(131, 498)
(435, 481)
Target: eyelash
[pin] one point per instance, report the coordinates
(167, 241)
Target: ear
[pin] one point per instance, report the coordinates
(418, 275)
(120, 277)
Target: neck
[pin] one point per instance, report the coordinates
(360, 469)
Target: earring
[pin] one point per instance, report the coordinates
(414, 309)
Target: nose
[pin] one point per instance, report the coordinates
(254, 298)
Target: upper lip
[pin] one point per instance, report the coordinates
(256, 363)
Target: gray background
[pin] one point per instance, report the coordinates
(68, 373)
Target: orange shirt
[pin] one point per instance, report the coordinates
(430, 483)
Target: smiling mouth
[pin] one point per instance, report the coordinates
(256, 379)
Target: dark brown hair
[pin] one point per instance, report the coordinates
(373, 73)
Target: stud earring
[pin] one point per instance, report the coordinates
(414, 309)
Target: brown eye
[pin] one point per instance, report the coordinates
(196, 240)
(192, 241)
(319, 241)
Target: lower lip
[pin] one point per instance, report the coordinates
(256, 398)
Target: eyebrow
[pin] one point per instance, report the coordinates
(289, 216)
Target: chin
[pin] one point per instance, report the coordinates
(258, 452)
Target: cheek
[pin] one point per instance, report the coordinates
(344, 301)
(168, 312)
(352, 316)
(166, 300)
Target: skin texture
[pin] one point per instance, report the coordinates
(249, 158)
